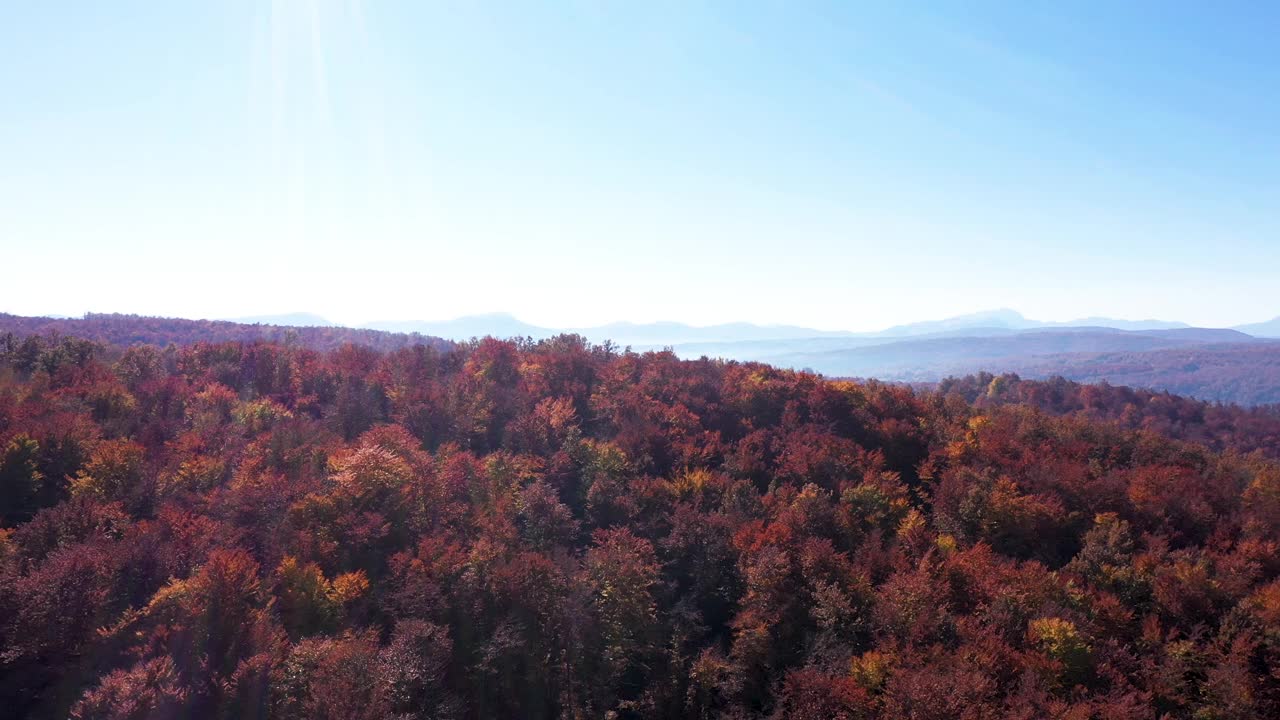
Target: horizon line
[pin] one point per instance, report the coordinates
(264, 319)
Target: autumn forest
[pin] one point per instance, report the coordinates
(315, 527)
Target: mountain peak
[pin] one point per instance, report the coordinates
(1000, 318)
(1266, 329)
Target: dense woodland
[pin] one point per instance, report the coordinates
(1217, 426)
(554, 529)
(119, 329)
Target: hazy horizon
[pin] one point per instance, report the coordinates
(279, 317)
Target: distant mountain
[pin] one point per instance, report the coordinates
(1003, 319)
(1268, 329)
(772, 339)
(1206, 335)
(1006, 319)
(656, 334)
(1244, 374)
(934, 358)
(659, 334)
(961, 345)
(1211, 364)
(769, 348)
(502, 325)
(297, 319)
(1120, 324)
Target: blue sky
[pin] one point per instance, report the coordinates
(839, 165)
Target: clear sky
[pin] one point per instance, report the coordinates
(840, 165)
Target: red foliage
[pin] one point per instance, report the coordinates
(307, 528)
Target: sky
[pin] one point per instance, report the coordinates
(838, 165)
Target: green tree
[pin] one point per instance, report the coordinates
(20, 480)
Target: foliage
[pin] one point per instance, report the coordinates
(286, 527)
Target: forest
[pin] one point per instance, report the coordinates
(267, 527)
(121, 329)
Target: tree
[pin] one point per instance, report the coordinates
(623, 572)
(20, 480)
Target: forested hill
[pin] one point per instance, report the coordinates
(1215, 425)
(116, 329)
(553, 529)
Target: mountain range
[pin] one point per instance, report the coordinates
(659, 334)
(654, 334)
(1235, 365)
(1268, 329)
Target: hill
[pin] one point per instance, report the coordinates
(936, 357)
(1209, 364)
(1268, 329)
(1248, 375)
(656, 335)
(114, 329)
(1219, 426)
(505, 325)
(554, 529)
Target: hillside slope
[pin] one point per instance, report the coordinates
(1216, 365)
(116, 329)
(1245, 374)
